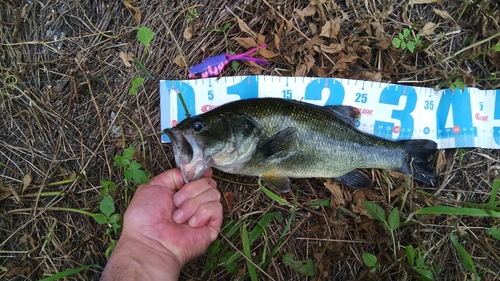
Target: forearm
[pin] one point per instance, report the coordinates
(135, 261)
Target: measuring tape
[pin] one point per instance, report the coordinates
(458, 118)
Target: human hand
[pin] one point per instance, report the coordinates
(169, 220)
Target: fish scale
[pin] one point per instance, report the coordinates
(324, 145)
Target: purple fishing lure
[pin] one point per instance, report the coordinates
(213, 66)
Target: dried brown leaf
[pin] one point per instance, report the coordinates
(126, 59)
(316, 41)
(267, 54)
(428, 29)
(179, 61)
(336, 191)
(188, 33)
(261, 39)
(417, 2)
(136, 11)
(443, 14)
(244, 27)
(309, 60)
(26, 181)
(228, 200)
(277, 41)
(330, 29)
(383, 45)
(372, 76)
(332, 48)
(308, 11)
(246, 42)
(299, 14)
(313, 28)
(4, 191)
(255, 69)
(301, 70)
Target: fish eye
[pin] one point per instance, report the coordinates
(197, 124)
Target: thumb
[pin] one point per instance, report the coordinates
(171, 179)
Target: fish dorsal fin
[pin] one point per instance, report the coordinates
(278, 142)
(276, 181)
(347, 113)
(355, 179)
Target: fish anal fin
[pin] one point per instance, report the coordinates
(278, 142)
(277, 181)
(355, 179)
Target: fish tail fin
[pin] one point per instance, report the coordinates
(419, 161)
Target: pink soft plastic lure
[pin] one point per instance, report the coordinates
(213, 66)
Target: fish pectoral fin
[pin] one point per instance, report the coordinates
(278, 142)
(345, 112)
(355, 179)
(276, 181)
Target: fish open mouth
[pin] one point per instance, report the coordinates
(188, 153)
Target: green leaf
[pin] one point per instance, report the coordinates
(273, 196)
(107, 206)
(410, 254)
(262, 224)
(457, 211)
(230, 262)
(118, 161)
(127, 174)
(318, 203)
(235, 65)
(305, 267)
(128, 153)
(134, 165)
(375, 211)
(460, 84)
(401, 37)
(108, 184)
(246, 250)
(396, 42)
(427, 274)
(403, 46)
(494, 190)
(111, 247)
(436, 268)
(370, 260)
(463, 255)
(135, 84)
(139, 176)
(100, 218)
(115, 227)
(230, 229)
(225, 27)
(496, 47)
(394, 219)
(145, 35)
(420, 262)
(114, 218)
(406, 32)
(494, 231)
(68, 272)
(411, 46)
(214, 248)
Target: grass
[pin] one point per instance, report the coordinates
(66, 117)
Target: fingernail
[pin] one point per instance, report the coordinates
(192, 222)
(178, 216)
(178, 199)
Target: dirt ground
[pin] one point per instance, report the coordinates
(66, 68)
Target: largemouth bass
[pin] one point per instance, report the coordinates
(277, 139)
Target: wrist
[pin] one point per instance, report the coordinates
(134, 259)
